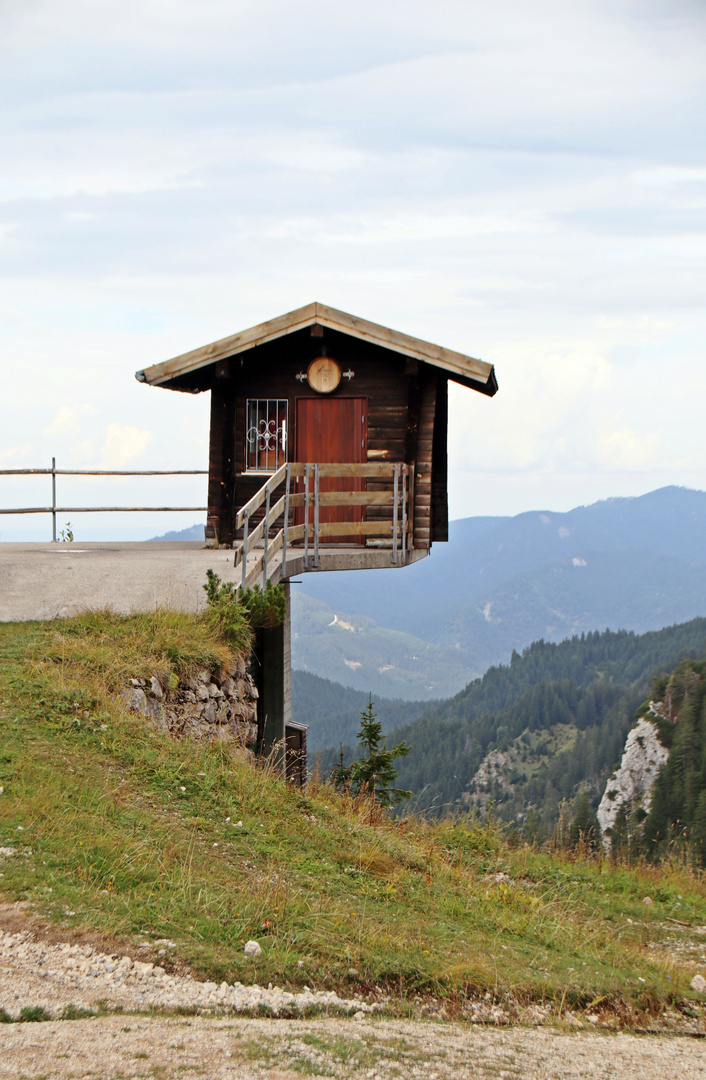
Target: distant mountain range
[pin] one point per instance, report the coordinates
(192, 532)
(501, 583)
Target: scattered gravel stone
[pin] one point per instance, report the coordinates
(500, 879)
(54, 976)
(698, 984)
(252, 948)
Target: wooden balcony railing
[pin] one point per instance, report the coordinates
(299, 508)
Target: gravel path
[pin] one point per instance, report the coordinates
(130, 1047)
(350, 1041)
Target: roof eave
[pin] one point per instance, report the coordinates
(466, 370)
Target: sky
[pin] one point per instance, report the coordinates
(522, 181)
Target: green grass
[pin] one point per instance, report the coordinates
(122, 830)
(323, 1055)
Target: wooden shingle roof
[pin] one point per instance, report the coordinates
(466, 370)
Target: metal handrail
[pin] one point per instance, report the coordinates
(399, 473)
(54, 509)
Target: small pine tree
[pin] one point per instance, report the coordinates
(375, 773)
(584, 828)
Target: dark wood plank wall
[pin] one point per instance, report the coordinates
(221, 471)
(423, 466)
(401, 396)
(440, 468)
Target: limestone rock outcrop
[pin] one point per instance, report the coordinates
(493, 772)
(210, 705)
(632, 784)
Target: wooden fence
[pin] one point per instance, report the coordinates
(54, 509)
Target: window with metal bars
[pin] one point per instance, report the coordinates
(266, 434)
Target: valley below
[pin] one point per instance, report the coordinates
(500, 584)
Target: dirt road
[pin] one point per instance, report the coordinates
(129, 1047)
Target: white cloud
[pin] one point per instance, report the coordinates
(625, 448)
(123, 444)
(667, 175)
(543, 416)
(83, 451)
(16, 452)
(67, 419)
(373, 229)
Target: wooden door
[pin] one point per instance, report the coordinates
(334, 430)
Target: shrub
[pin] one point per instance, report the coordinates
(265, 607)
(227, 616)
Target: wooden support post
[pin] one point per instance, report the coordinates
(267, 536)
(395, 487)
(286, 519)
(316, 515)
(246, 522)
(404, 514)
(275, 679)
(306, 517)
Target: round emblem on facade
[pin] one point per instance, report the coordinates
(323, 375)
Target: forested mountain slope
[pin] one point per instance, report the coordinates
(332, 712)
(540, 729)
(679, 795)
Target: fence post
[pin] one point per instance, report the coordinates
(404, 514)
(306, 516)
(286, 522)
(53, 500)
(246, 517)
(395, 500)
(316, 515)
(267, 534)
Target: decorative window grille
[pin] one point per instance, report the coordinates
(266, 434)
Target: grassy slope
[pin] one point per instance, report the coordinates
(118, 828)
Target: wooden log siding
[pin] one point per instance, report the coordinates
(439, 470)
(423, 471)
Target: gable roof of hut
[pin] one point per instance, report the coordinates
(173, 374)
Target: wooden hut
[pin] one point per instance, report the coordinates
(318, 385)
(327, 452)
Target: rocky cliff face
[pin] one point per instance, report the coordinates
(210, 705)
(631, 786)
(493, 773)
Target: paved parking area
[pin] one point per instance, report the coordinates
(43, 581)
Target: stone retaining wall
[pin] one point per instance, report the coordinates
(209, 705)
